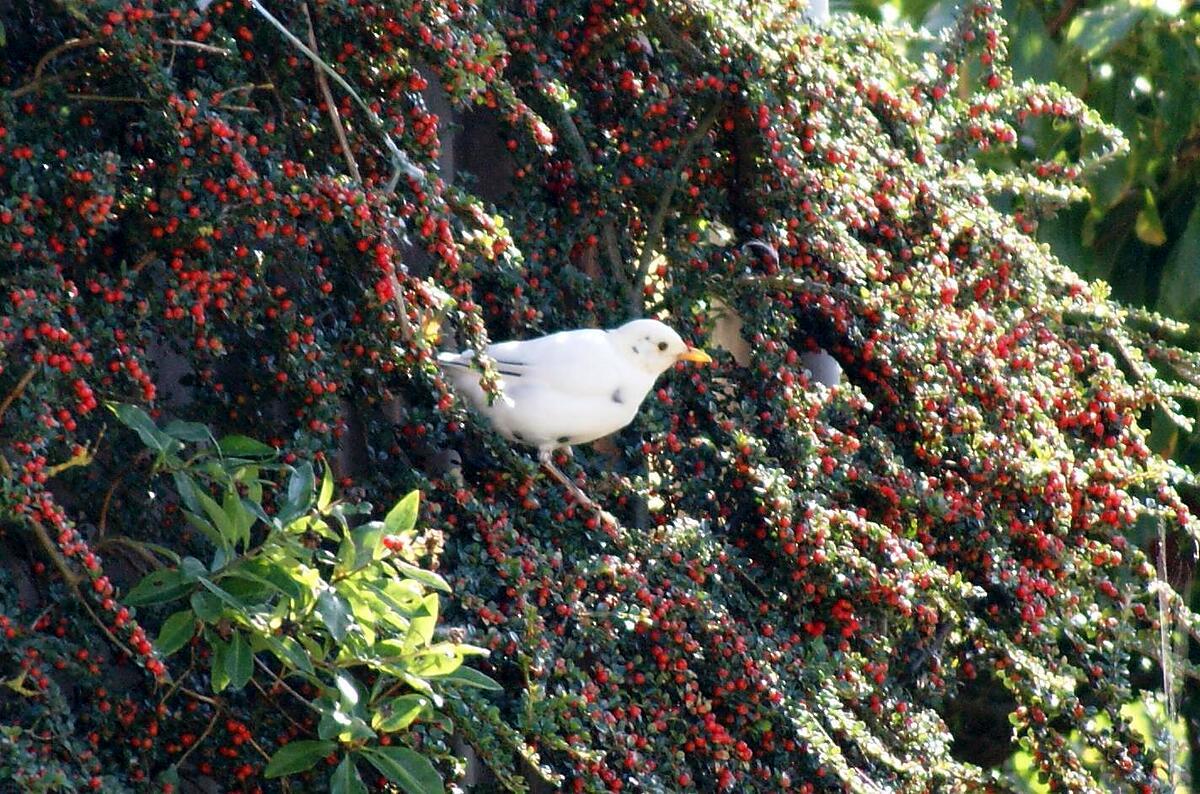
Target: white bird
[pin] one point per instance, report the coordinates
(571, 387)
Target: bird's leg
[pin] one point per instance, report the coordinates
(546, 458)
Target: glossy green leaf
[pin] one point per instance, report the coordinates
(425, 621)
(297, 756)
(193, 432)
(239, 662)
(403, 517)
(244, 447)
(399, 712)
(468, 676)
(158, 587)
(176, 631)
(326, 496)
(406, 768)
(345, 779)
(334, 614)
(427, 578)
(219, 670)
(140, 422)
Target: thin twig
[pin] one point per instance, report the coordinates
(608, 230)
(271, 698)
(36, 80)
(116, 100)
(198, 45)
(102, 523)
(404, 166)
(178, 682)
(131, 545)
(17, 389)
(334, 116)
(659, 219)
(212, 723)
(287, 687)
(71, 577)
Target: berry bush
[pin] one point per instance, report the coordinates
(234, 214)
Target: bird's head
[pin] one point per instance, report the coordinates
(654, 346)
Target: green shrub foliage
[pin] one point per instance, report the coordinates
(805, 581)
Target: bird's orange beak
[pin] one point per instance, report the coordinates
(695, 355)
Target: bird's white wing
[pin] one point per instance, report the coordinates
(569, 362)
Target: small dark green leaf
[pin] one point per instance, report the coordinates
(345, 779)
(296, 757)
(334, 613)
(158, 588)
(403, 517)
(406, 768)
(467, 676)
(239, 662)
(176, 631)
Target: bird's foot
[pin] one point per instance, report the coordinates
(546, 458)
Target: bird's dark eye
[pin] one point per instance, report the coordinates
(662, 345)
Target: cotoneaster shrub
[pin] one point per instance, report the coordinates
(807, 581)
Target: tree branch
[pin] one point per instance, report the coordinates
(659, 219)
(334, 116)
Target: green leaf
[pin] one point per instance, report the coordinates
(326, 495)
(345, 779)
(1149, 225)
(398, 713)
(244, 447)
(467, 676)
(406, 768)
(219, 668)
(158, 588)
(1180, 293)
(441, 659)
(140, 422)
(403, 517)
(297, 756)
(290, 653)
(187, 431)
(427, 578)
(299, 493)
(239, 662)
(1099, 30)
(223, 595)
(368, 543)
(425, 621)
(176, 632)
(206, 606)
(186, 487)
(334, 613)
